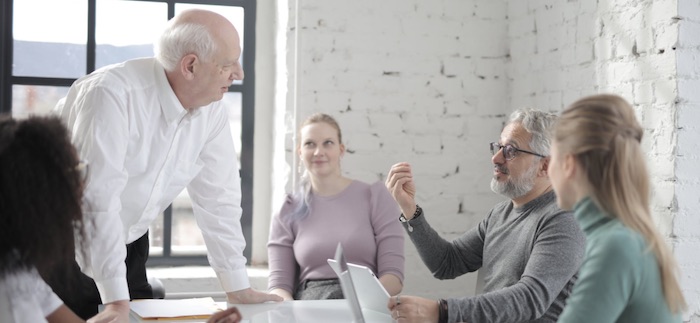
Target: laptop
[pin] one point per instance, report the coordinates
(365, 294)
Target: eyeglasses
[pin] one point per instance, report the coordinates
(83, 170)
(509, 151)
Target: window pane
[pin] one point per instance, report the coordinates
(155, 236)
(48, 44)
(33, 99)
(235, 15)
(187, 238)
(232, 101)
(117, 41)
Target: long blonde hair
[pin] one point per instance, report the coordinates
(603, 135)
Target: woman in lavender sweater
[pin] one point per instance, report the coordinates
(327, 209)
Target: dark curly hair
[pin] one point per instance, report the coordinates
(40, 196)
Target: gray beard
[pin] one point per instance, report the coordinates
(516, 187)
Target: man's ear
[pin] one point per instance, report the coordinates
(544, 166)
(188, 63)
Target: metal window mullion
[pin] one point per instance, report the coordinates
(247, 90)
(6, 47)
(167, 231)
(91, 42)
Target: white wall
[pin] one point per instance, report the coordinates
(686, 222)
(648, 52)
(406, 84)
(431, 83)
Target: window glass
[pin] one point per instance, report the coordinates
(34, 99)
(233, 101)
(155, 236)
(47, 44)
(186, 237)
(235, 15)
(118, 41)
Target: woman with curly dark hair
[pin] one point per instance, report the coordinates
(41, 222)
(40, 216)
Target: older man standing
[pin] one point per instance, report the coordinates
(151, 127)
(528, 250)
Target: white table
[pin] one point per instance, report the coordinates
(323, 311)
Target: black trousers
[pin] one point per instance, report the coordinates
(79, 292)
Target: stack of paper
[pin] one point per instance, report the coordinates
(192, 308)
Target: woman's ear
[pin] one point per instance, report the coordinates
(570, 166)
(342, 150)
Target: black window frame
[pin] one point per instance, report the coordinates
(247, 90)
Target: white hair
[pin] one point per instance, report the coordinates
(180, 39)
(539, 124)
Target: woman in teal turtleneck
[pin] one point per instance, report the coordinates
(597, 169)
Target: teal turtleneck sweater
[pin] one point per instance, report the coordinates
(619, 280)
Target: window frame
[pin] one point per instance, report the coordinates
(247, 90)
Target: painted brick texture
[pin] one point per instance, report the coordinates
(423, 82)
(432, 82)
(686, 223)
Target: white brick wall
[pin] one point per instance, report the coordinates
(431, 83)
(687, 154)
(416, 81)
(632, 48)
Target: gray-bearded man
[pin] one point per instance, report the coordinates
(528, 250)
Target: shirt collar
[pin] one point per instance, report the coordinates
(589, 216)
(169, 104)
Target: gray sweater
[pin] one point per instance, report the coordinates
(528, 256)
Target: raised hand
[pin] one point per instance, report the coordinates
(400, 184)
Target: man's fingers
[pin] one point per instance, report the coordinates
(230, 315)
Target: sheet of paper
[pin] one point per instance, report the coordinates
(175, 308)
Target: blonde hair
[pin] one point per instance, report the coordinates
(303, 194)
(603, 135)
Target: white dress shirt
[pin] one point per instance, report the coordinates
(143, 149)
(25, 297)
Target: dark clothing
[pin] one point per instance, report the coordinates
(79, 292)
(319, 289)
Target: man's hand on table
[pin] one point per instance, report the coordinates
(230, 315)
(115, 312)
(251, 296)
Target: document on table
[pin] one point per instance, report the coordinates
(191, 308)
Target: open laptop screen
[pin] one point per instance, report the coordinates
(365, 294)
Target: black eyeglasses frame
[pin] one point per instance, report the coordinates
(495, 147)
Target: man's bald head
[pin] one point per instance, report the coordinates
(194, 31)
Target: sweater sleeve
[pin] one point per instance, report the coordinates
(606, 281)
(555, 258)
(280, 249)
(387, 232)
(448, 260)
